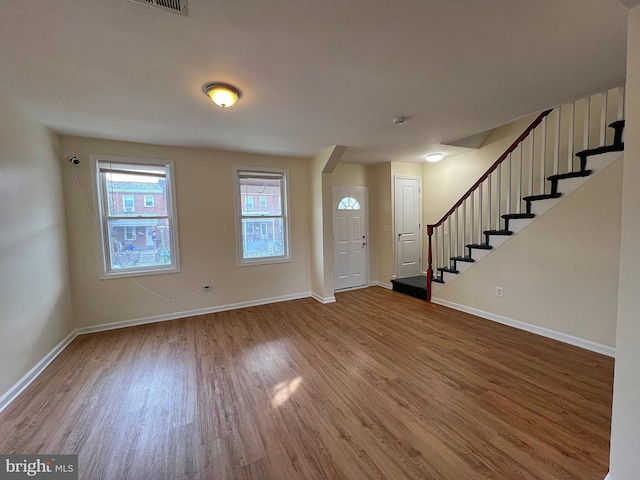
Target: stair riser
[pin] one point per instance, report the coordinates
(568, 185)
(599, 162)
(463, 266)
(478, 255)
(517, 224)
(449, 277)
(541, 206)
(496, 240)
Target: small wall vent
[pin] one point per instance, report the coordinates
(174, 6)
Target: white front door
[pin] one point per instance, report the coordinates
(350, 237)
(407, 227)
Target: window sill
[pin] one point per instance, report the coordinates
(138, 273)
(263, 261)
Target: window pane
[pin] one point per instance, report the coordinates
(135, 194)
(262, 238)
(349, 203)
(139, 243)
(267, 188)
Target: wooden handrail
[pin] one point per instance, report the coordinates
(492, 168)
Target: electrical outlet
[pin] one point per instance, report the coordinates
(206, 288)
(498, 291)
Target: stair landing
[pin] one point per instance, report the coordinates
(412, 286)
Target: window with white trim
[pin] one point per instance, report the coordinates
(129, 203)
(264, 234)
(143, 242)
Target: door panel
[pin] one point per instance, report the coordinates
(350, 242)
(408, 236)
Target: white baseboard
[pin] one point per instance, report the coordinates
(545, 332)
(323, 300)
(32, 374)
(388, 286)
(24, 382)
(190, 313)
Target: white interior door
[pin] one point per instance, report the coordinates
(350, 237)
(407, 227)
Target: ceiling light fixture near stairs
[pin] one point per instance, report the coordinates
(434, 157)
(222, 94)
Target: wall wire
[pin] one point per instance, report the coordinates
(126, 271)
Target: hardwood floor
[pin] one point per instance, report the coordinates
(375, 386)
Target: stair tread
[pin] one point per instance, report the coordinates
(479, 246)
(447, 269)
(617, 123)
(498, 232)
(606, 149)
(437, 280)
(463, 259)
(579, 173)
(533, 198)
(516, 216)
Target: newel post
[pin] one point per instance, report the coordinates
(429, 263)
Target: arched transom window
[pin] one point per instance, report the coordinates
(349, 203)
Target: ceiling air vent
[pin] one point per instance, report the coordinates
(174, 6)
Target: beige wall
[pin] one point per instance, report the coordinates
(561, 271)
(407, 169)
(35, 300)
(207, 228)
(625, 428)
(382, 224)
(349, 175)
(316, 226)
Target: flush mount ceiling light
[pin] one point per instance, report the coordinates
(434, 157)
(222, 94)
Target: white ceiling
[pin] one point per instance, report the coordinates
(312, 73)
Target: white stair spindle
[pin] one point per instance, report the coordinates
(603, 118)
(489, 199)
(441, 253)
(449, 254)
(587, 123)
(464, 224)
(519, 187)
(472, 225)
(621, 93)
(508, 202)
(480, 214)
(532, 141)
(457, 231)
(498, 195)
(543, 155)
(571, 130)
(443, 245)
(556, 150)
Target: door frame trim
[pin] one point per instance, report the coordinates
(393, 210)
(335, 189)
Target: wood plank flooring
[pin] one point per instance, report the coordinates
(375, 386)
